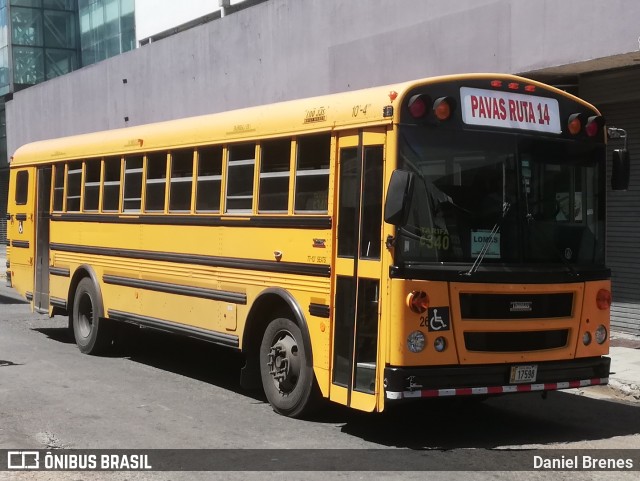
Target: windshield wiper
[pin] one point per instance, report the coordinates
(488, 241)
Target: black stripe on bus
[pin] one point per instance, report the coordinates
(29, 296)
(229, 340)
(20, 244)
(280, 222)
(319, 310)
(21, 216)
(298, 268)
(57, 302)
(214, 294)
(59, 271)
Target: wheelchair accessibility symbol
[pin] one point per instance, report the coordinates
(439, 319)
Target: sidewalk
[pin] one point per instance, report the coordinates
(624, 353)
(3, 260)
(625, 364)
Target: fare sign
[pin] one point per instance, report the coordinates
(510, 110)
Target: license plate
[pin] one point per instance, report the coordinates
(523, 374)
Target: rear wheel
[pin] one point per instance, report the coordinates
(288, 381)
(93, 334)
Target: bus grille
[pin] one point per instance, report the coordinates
(515, 341)
(516, 306)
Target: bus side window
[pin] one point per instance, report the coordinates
(74, 186)
(156, 182)
(312, 174)
(111, 185)
(275, 162)
(92, 185)
(209, 181)
(132, 200)
(58, 188)
(181, 180)
(22, 187)
(240, 171)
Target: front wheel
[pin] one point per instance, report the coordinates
(288, 381)
(93, 333)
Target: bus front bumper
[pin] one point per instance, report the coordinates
(490, 379)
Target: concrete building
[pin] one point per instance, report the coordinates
(285, 49)
(44, 39)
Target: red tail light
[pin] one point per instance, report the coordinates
(418, 105)
(593, 125)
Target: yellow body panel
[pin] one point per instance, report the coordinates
(193, 249)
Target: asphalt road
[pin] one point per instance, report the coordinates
(173, 393)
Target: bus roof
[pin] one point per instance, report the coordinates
(316, 114)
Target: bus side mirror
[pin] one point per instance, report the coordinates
(620, 170)
(396, 207)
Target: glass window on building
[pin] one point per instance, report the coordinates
(107, 28)
(44, 40)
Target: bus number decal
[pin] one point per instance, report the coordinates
(318, 114)
(360, 109)
(434, 238)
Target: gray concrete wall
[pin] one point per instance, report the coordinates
(285, 49)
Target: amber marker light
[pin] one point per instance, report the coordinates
(574, 124)
(603, 299)
(418, 302)
(442, 108)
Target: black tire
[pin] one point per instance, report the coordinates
(288, 382)
(93, 334)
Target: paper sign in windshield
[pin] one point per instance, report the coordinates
(481, 237)
(510, 110)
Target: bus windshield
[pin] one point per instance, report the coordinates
(507, 198)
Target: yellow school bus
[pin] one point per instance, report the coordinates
(440, 237)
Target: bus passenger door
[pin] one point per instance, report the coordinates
(357, 269)
(43, 205)
(20, 230)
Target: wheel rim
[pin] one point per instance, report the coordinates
(284, 362)
(85, 315)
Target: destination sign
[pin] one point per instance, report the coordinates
(509, 110)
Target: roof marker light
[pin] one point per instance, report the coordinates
(513, 85)
(496, 83)
(530, 88)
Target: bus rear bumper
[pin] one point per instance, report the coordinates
(489, 379)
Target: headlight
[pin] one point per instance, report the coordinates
(440, 344)
(601, 334)
(415, 341)
(586, 338)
